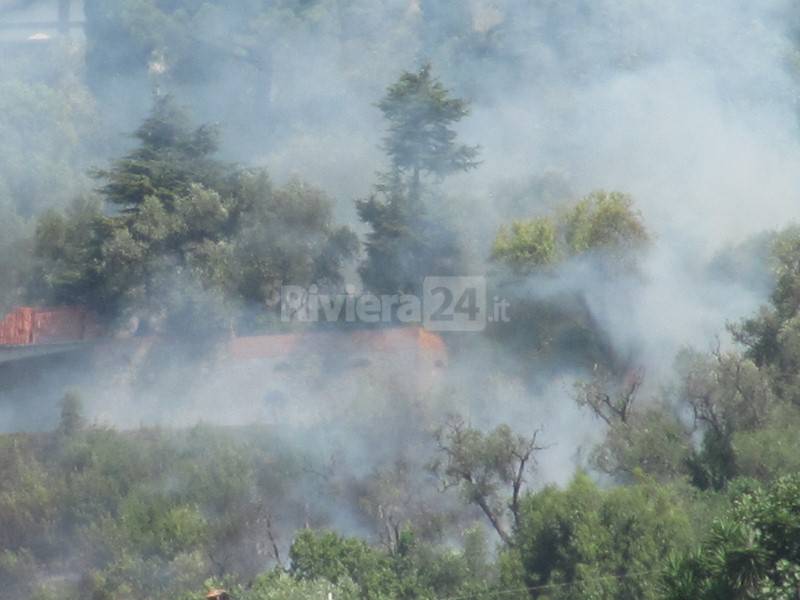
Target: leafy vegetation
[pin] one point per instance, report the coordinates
(687, 487)
(408, 239)
(181, 221)
(603, 223)
(602, 238)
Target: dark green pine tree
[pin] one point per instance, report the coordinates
(188, 236)
(170, 157)
(407, 242)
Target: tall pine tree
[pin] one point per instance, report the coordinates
(406, 242)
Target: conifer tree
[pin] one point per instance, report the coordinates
(407, 241)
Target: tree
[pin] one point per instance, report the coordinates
(412, 570)
(288, 237)
(407, 241)
(751, 552)
(771, 450)
(602, 234)
(602, 223)
(393, 497)
(585, 542)
(171, 157)
(187, 237)
(67, 247)
(640, 438)
(16, 263)
(421, 141)
(167, 199)
(489, 469)
(72, 419)
(281, 586)
(327, 556)
(526, 245)
(49, 128)
(726, 394)
(772, 337)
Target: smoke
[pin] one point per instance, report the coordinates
(690, 108)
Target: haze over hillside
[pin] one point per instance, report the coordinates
(399, 299)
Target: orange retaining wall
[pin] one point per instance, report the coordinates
(26, 325)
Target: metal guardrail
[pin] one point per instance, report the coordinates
(39, 25)
(15, 353)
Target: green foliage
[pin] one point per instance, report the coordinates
(328, 556)
(652, 441)
(489, 469)
(420, 139)
(772, 450)
(154, 525)
(29, 500)
(772, 337)
(69, 259)
(185, 242)
(171, 157)
(742, 405)
(48, 126)
(189, 236)
(280, 586)
(587, 542)
(526, 244)
(640, 437)
(752, 552)
(72, 420)
(733, 409)
(16, 265)
(18, 572)
(605, 223)
(603, 234)
(413, 570)
(143, 513)
(287, 236)
(408, 240)
(726, 394)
